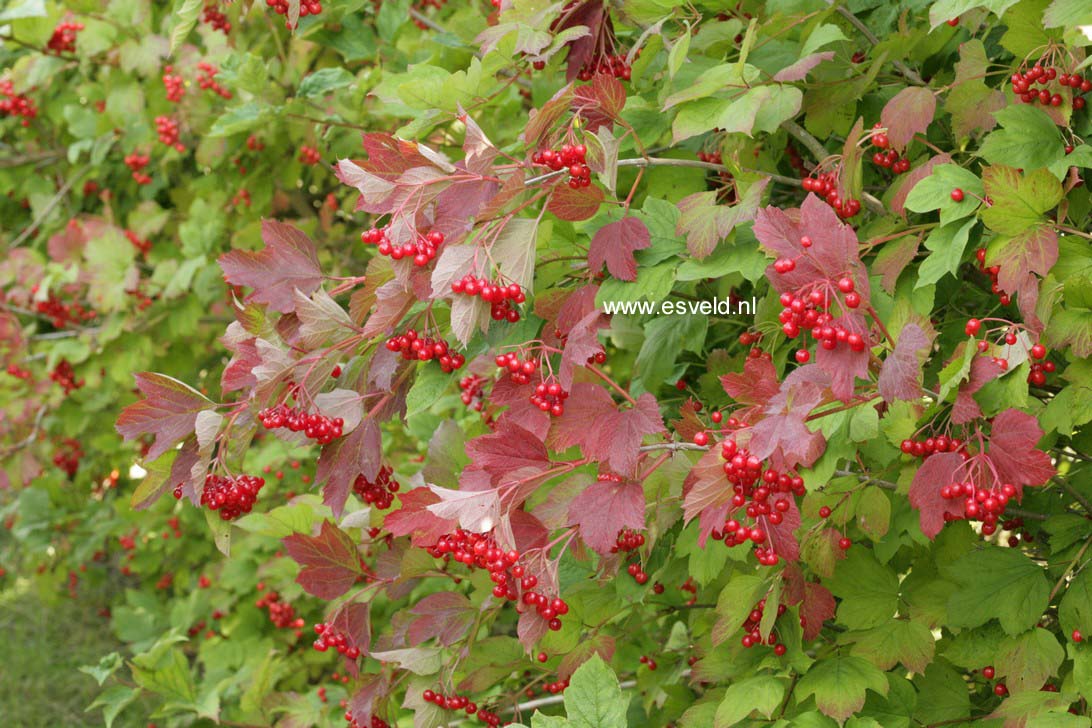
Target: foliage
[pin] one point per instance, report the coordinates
(423, 305)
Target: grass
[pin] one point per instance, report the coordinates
(42, 646)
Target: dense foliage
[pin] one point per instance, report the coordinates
(581, 364)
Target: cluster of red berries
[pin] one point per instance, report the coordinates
(999, 689)
(648, 661)
(176, 87)
(137, 162)
(307, 7)
(928, 446)
(471, 386)
(825, 184)
(142, 246)
(329, 636)
(613, 64)
(519, 371)
(13, 104)
(379, 493)
(889, 159)
(549, 396)
(1039, 369)
(167, 130)
(309, 155)
(254, 144)
(503, 298)
(572, 158)
(1023, 86)
(461, 702)
(65, 377)
(412, 347)
(992, 271)
(808, 313)
(314, 425)
(61, 314)
(231, 496)
(627, 539)
(981, 504)
(68, 459)
(63, 39)
(422, 250)
(19, 373)
(242, 197)
(281, 614)
(219, 21)
(376, 722)
(206, 79)
(753, 632)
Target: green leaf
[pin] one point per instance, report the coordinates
(839, 684)
(997, 583)
(935, 193)
(822, 35)
(324, 81)
(593, 698)
(184, 20)
(762, 694)
(1019, 201)
(942, 695)
(1029, 138)
(1075, 608)
(873, 511)
(23, 9)
(392, 14)
(107, 666)
(538, 720)
(735, 603)
(165, 671)
(947, 244)
(869, 591)
(1067, 14)
(944, 10)
(245, 117)
(113, 700)
(677, 55)
(896, 641)
(1026, 661)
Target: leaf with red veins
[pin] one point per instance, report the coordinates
(476, 510)
(614, 244)
(530, 629)
(937, 471)
(239, 372)
(706, 486)
(705, 222)
(330, 562)
(782, 435)
(372, 687)
(354, 621)
(688, 423)
(900, 375)
(983, 371)
(168, 411)
(817, 604)
(606, 507)
(1012, 449)
(445, 616)
(586, 409)
(908, 113)
(596, 643)
(799, 70)
(1021, 257)
(623, 433)
(188, 470)
(527, 531)
(842, 363)
(581, 344)
(508, 449)
(591, 14)
(780, 536)
(459, 204)
(833, 251)
(520, 410)
(414, 518)
(392, 304)
(755, 386)
(542, 120)
(358, 453)
(575, 205)
(375, 191)
(286, 263)
(479, 151)
(575, 308)
(711, 519)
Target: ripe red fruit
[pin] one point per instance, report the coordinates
(824, 512)
(701, 438)
(845, 285)
(1038, 351)
(542, 657)
(802, 356)
(988, 672)
(844, 543)
(1077, 636)
(680, 385)
(972, 327)
(957, 195)
(1000, 690)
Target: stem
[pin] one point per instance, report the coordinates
(801, 135)
(30, 230)
(908, 73)
(1074, 493)
(599, 373)
(1069, 570)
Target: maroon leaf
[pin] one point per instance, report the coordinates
(842, 363)
(705, 222)
(910, 112)
(688, 424)
(1013, 439)
(900, 376)
(894, 258)
(780, 535)
(239, 372)
(582, 343)
(445, 616)
(182, 473)
(530, 629)
(521, 411)
(936, 472)
(907, 181)
(1033, 251)
(606, 507)
(575, 205)
(614, 244)
(817, 604)
(576, 306)
(799, 70)
(354, 621)
(587, 404)
(755, 386)
(983, 370)
(373, 686)
(168, 411)
(287, 262)
(413, 518)
(358, 453)
(622, 434)
(610, 92)
(706, 487)
(330, 561)
(782, 435)
(506, 450)
(541, 121)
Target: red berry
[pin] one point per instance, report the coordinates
(957, 195)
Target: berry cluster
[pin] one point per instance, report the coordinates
(242, 197)
(809, 312)
(19, 373)
(307, 7)
(572, 158)
(928, 446)
(219, 21)
(68, 459)
(329, 636)
(379, 493)
(614, 64)
(502, 298)
(376, 722)
(142, 246)
(281, 614)
(1039, 369)
(63, 39)
(176, 87)
(981, 504)
(65, 376)
(549, 396)
(254, 144)
(61, 314)
(648, 661)
(315, 426)
(137, 162)
(472, 391)
(412, 347)
(461, 702)
(825, 184)
(519, 371)
(1023, 86)
(422, 250)
(889, 159)
(206, 79)
(753, 632)
(309, 155)
(628, 539)
(167, 130)
(992, 271)
(13, 104)
(232, 496)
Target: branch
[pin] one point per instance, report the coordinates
(908, 73)
(426, 21)
(29, 158)
(804, 137)
(666, 162)
(1069, 570)
(29, 439)
(48, 208)
(1074, 493)
(672, 446)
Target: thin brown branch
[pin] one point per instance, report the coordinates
(908, 73)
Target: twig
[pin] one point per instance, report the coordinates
(48, 208)
(804, 137)
(1077, 496)
(29, 439)
(29, 158)
(426, 21)
(672, 446)
(1069, 570)
(555, 699)
(908, 73)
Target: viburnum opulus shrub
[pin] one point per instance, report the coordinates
(473, 441)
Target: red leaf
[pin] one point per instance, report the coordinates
(445, 616)
(1013, 439)
(705, 222)
(983, 370)
(817, 604)
(506, 450)
(780, 535)
(413, 517)
(1033, 251)
(287, 262)
(330, 561)
(755, 386)
(373, 686)
(842, 363)
(604, 433)
(354, 621)
(910, 179)
(358, 453)
(606, 507)
(575, 205)
(910, 112)
(587, 404)
(688, 424)
(542, 120)
(936, 472)
(782, 434)
(900, 376)
(582, 343)
(614, 244)
(799, 70)
(168, 411)
(475, 510)
(623, 433)
(706, 486)
(239, 372)
(576, 306)
(521, 412)
(392, 302)
(530, 629)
